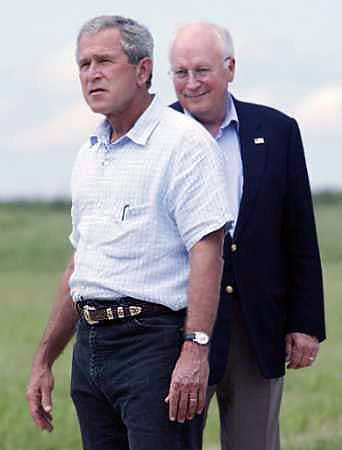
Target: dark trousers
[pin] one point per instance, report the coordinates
(120, 378)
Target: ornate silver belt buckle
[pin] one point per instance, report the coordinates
(86, 314)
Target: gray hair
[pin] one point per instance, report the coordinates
(224, 34)
(136, 40)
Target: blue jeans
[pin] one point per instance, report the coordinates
(120, 377)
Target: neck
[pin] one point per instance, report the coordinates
(212, 124)
(123, 121)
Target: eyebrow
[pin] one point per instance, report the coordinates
(104, 56)
(196, 66)
(97, 57)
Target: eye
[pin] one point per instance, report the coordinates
(202, 71)
(181, 73)
(84, 65)
(104, 60)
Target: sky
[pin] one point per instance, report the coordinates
(289, 56)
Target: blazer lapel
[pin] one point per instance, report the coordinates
(253, 153)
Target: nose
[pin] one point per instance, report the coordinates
(94, 71)
(192, 82)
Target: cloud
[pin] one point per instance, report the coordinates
(254, 94)
(68, 120)
(322, 110)
(60, 71)
(70, 128)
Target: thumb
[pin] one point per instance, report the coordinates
(46, 400)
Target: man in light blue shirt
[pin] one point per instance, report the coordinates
(140, 204)
(149, 203)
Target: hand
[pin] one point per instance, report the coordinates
(301, 350)
(189, 383)
(38, 395)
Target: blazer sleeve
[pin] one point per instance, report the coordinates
(304, 284)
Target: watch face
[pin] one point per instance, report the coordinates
(201, 337)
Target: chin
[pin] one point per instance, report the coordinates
(97, 108)
(197, 106)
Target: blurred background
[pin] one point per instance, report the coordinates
(288, 56)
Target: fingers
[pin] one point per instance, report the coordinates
(188, 403)
(197, 401)
(184, 404)
(172, 400)
(307, 359)
(41, 415)
(295, 357)
(301, 350)
(38, 395)
(192, 405)
(188, 386)
(201, 399)
(46, 400)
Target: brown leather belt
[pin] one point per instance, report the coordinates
(94, 314)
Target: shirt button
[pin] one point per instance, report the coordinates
(229, 289)
(105, 163)
(233, 248)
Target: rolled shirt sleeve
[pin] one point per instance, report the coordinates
(199, 194)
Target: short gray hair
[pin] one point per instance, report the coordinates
(136, 40)
(228, 46)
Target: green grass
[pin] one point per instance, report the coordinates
(311, 414)
(33, 251)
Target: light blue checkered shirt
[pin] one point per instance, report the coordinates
(140, 204)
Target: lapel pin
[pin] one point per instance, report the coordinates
(259, 140)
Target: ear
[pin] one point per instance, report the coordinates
(231, 69)
(144, 69)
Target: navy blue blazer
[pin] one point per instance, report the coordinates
(274, 267)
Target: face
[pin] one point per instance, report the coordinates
(201, 50)
(109, 82)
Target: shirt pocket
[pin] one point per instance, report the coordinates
(135, 214)
(130, 226)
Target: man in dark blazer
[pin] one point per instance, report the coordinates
(271, 311)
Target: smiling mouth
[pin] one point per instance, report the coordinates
(195, 95)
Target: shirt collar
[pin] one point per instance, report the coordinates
(146, 123)
(231, 116)
(139, 133)
(101, 134)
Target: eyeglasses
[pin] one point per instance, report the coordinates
(199, 73)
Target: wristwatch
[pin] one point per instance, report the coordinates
(199, 337)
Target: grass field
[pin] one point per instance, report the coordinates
(33, 251)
